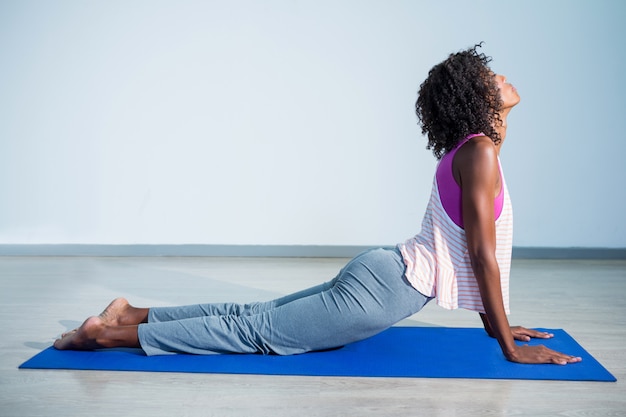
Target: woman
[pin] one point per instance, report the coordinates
(461, 257)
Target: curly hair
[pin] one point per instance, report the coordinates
(459, 97)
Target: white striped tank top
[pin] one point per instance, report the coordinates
(438, 263)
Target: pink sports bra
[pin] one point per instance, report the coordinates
(450, 191)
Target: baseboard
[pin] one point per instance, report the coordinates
(139, 250)
(568, 253)
(290, 251)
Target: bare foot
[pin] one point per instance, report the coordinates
(83, 338)
(68, 333)
(111, 316)
(114, 314)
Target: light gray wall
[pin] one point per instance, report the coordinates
(291, 122)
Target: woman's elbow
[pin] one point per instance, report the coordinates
(483, 261)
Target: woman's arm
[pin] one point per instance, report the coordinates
(476, 168)
(486, 325)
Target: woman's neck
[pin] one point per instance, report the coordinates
(501, 128)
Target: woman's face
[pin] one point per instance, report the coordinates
(508, 93)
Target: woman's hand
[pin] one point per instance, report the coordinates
(519, 333)
(524, 335)
(540, 354)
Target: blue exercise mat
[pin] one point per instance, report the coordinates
(410, 352)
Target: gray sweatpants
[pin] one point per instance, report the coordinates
(368, 295)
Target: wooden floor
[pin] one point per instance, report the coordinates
(42, 297)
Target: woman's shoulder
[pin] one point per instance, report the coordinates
(480, 149)
(475, 160)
